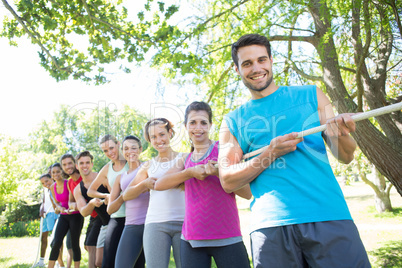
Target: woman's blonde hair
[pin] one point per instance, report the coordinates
(157, 121)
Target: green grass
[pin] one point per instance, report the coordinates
(388, 215)
(381, 233)
(21, 252)
(388, 255)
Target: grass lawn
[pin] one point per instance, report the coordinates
(381, 234)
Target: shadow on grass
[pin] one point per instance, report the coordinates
(389, 255)
(6, 259)
(396, 212)
(24, 265)
(4, 263)
(359, 198)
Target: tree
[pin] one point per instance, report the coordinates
(19, 173)
(55, 26)
(71, 130)
(75, 129)
(351, 49)
(8, 173)
(380, 186)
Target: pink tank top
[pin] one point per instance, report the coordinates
(211, 213)
(63, 197)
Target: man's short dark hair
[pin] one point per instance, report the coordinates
(83, 154)
(64, 156)
(248, 40)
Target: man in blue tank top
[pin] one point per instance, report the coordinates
(300, 217)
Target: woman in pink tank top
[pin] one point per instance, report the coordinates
(68, 220)
(211, 225)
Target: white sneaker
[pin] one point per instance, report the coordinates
(39, 264)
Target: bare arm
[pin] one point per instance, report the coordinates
(42, 207)
(337, 137)
(140, 184)
(101, 178)
(82, 205)
(52, 200)
(177, 175)
(115, 198)
(59, 208)
(71, 200)
(235, 174)
(244, 192)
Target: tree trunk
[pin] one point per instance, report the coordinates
(381, 189)
(382, 199)
(378, 148)
(383, 203)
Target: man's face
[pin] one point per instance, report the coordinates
(84, 165)
(255, 67)
(68, 166)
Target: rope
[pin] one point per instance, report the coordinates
(40, 236)
(357, 117)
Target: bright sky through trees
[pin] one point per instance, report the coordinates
(29, 95)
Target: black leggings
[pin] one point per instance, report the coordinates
(231, 256)
(74, 223)
(112, 239)
(113, 234)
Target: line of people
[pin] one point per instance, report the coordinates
(139, 211)
(300, 216)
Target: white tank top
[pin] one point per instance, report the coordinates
(47, 204)
(165, 205)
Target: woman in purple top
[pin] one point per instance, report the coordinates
(130, 245)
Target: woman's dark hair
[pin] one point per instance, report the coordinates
(132, 137)
(55, 165)
(198, 106)
(249, 40)
(64, 175)
(157, 121)
(47, 175)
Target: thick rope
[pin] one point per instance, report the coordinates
(40, 236)
(357, 117)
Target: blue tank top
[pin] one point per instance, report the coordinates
(300, 186)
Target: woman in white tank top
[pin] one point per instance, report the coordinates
(165, 214)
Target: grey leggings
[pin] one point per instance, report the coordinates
(158, 239)
(130, 246)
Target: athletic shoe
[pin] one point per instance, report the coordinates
(39, 264)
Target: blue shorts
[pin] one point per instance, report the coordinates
(317, 244)
(49, 221)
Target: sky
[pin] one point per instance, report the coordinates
(29, 95)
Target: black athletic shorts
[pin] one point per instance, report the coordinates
(93, 230)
